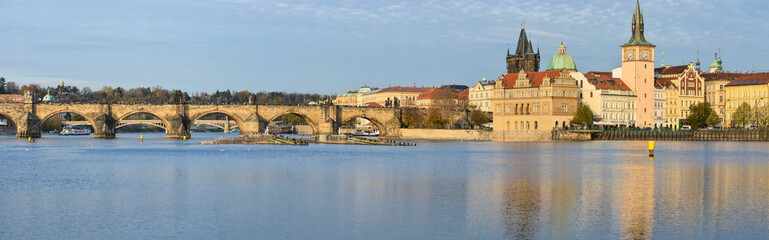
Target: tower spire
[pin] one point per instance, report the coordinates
(638, 28)
(697, 64)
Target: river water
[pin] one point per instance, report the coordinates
(84, 188)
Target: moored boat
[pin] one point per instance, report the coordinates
(75, 130)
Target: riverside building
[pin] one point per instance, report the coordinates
(687, 89)
(751, 89)
(480, 95)
(610, 99)
(535, 100)
(715, 91)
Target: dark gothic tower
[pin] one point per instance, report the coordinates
(524, 59)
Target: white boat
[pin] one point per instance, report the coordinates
(75, 130)
(365, 133)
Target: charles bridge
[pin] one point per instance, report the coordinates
(177, 118)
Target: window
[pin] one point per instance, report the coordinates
(563, 107)
(507, 108)
(536, 125)
(499, 110)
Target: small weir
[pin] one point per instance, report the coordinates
(282, 140)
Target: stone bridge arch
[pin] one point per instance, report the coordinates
(103, 124)
(322, 119)
(388, 120)
(382, 127)
(244, 115)
(234, 117)
(172, 117)
(307, 119)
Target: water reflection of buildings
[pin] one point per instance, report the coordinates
(637, 199)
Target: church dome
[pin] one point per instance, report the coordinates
(561, 60)
(714, 64)
(48, 97)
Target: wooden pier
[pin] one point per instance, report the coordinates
(760, 135)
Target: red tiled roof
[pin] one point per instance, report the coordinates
(596, 73)
(373, 104)
(607, 83)
(464, 95)
(536, 77)
(434, 92)
(674, 70)
(750, 79)
(404, 89)
(663, 82)
(721, 76)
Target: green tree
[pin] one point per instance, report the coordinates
(713, 119)
(478, 118)
(435, 119)
(762, 116)
(743, 115)
(292, 119)
(2, 85)
(412, 118)
(583, 116)
(698, 114)
(53, 123)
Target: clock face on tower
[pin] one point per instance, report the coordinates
(629, 56)
(646, 56)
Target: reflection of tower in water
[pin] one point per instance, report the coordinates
(637, 200)
(522, 204)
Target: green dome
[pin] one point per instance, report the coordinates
(714, 64)
(561, 61)
(48, 97)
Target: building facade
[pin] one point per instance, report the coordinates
(480, 95)
(443, 98)
(659, 105)
(638, 70)
(686, 88)
(612, 101)
(534, 101)
(406, 96)
(751, 89)
(351, 97)
(715, 91)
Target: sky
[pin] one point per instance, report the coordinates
(330, 47)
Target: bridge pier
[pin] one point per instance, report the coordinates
(28, 126)
(104, 126)
(178, 127)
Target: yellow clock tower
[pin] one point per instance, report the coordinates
(638, 70)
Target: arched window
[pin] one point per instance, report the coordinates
(515, 125)
(522, 126)
(536, 125)
(508, 125)
(556, 124)
(527, 125)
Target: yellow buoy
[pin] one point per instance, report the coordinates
(651, 148)
(29, 139)
(185, 138)
(141, 137)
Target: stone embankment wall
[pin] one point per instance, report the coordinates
(303, 129)
(484, 135)
(523, 136)
(445, 134)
